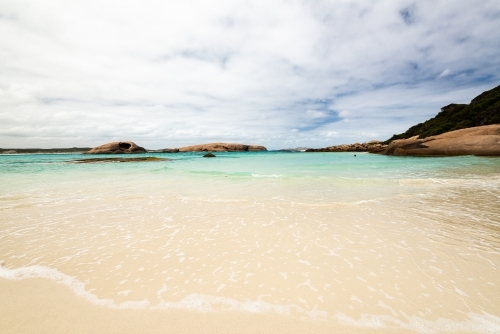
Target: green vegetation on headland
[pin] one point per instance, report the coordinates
(483, 110)
(44, 150)
(459, 129)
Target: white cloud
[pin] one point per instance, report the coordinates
(445, 73)
(172, 73)
(344, 114)
(316, 114)
(331, 134)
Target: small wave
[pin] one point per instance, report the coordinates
(340, 203)
(205, 303)
(71, 282)
(266, 175)
(210, 200)
(478, 323)
(194, 302)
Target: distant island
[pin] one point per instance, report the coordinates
(131, 147)
(44, 150)
(213, 147)
(221, 147)
(117, 147)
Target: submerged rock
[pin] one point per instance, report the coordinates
(117, 147)
(221, 147)
(100, 160)
(209, 155)
(479, 140)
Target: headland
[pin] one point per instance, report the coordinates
(459, 129)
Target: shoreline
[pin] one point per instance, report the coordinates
(43, 306)
(76, 310)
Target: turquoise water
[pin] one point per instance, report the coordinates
(367, 240)
(362, 176)
(298, 176)
(235, 164)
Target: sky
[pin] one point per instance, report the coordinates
(278, 73)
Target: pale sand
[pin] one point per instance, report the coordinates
(42, 306)
(421, 255)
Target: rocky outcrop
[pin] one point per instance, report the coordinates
(209, 155)
(221, 147)
(480, 140)
(373, 146)
(117, 147)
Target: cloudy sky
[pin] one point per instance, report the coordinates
(280, 73)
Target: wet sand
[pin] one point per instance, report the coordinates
(366, 268)
(42, 306)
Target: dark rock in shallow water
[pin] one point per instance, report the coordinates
(100, 160)
(117, 147)
(209, 155)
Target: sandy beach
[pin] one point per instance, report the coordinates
(42, 306)
(260, 242)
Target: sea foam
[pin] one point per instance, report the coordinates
(477, 323)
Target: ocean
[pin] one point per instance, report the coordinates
(349, 239)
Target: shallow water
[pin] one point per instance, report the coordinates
(368, 240)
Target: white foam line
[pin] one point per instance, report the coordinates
(478, 323)
(195, 301)
(75, 285)
(204, 303)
